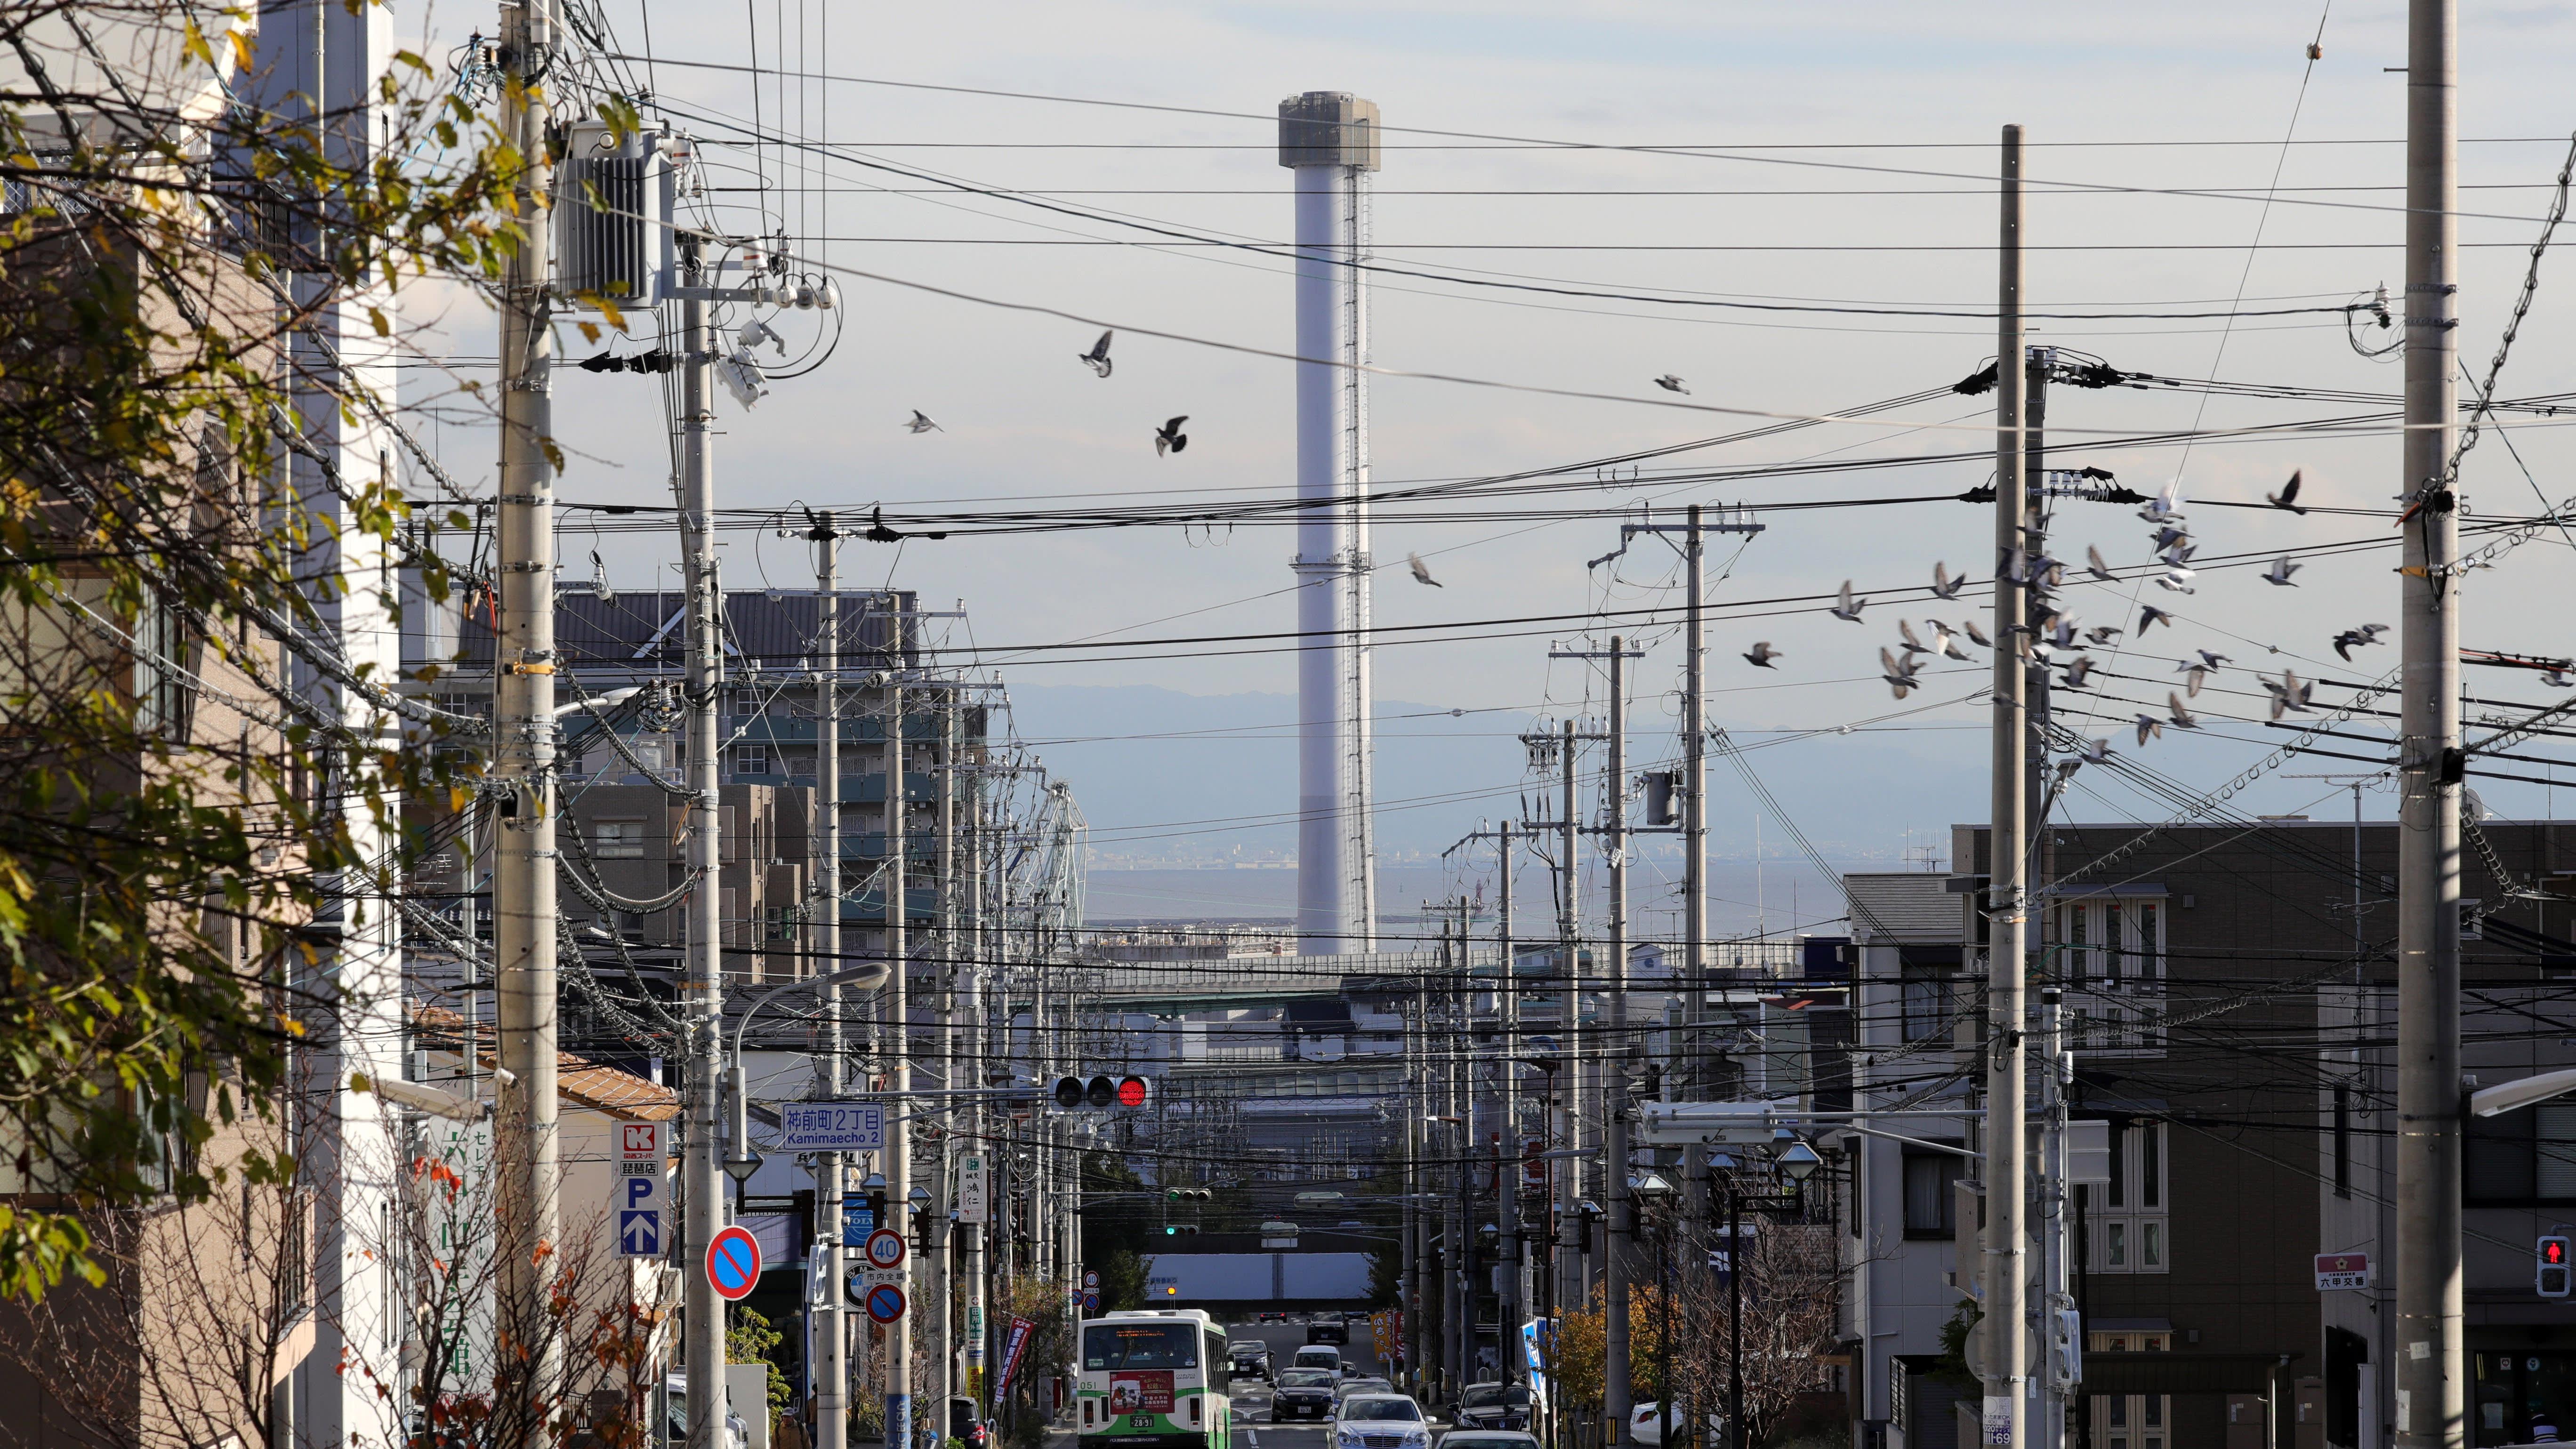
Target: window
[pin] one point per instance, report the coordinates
(2522, 1158)
(1140, 1345)
(1929, 1210)
(2343, 1141)
(617, 839)
(751, 759)
(1927, 982)
(2132, 1421)
(746, 703)
(2130, 1234)
(801, 766)
(2113, 955)
(778, 923)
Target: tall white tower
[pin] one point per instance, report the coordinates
(1329, 139)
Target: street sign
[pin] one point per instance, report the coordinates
(639, 1149)
(1090, 1280)
(642, 1203)
(1091, 1303)
(733, 1263)
(2342, 1270)
(885, 1302)
(871, 1277)
(885, 1249)
(858, 1219)
(831, 1126)
(974, 1189)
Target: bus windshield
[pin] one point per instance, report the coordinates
(1140, 1345)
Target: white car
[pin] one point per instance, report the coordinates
(1379, 1421)
(1321, 1356)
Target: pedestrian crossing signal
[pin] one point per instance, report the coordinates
(2553, 1272)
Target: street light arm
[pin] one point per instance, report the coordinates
(2489, 1101)
(866, 976)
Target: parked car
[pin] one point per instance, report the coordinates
(1380, 1421)
(1247, 1356)
(1645, 1427)
(1488, 1439)
(1493, 1406)
(1328, 1328)
(1301, 1393)
(1321, 1356)
(963, 1425)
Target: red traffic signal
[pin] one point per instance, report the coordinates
(1131, 1092)
(2552, 1275)
(2553, 1250)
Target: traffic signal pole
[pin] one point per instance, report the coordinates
(831, 1331)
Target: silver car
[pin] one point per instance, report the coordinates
(1379, 1421)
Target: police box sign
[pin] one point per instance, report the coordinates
(2342, 1270)
(831, 1126)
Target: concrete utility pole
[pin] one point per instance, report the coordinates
(1329, 140)
(2007, 907)
(1569, 1179)
(702, 967)
(979, 934)
(942, 1231)
(2432, 1403)
(896, 1045)
(1694, 773)
(831, 1333)
(1614, 1064)
(525, 924)
(1507, 1167)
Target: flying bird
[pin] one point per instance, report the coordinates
(2178, 580)
(1170, 437)
(2366, 634)
(2149, 727)
(2166, 504)
(2078, 669)
(2097, 752)
(2212, 661)
(1422, 571)
(1899, 673)
(1848, 608)
(2193, 677)
(2103, 634)
(1761, 654)
(1943, 585)
(1670, 383)
(1097, 359)
(2288, 497)
(2149, 616)
(2178, 555)
(2093, 565)
(2280, 571)
(2167, 536)
(2183, 719)
(2289, 695)
(1944, 642)
(921, 423)
(1975, 635)
(1913, 645)
(2556, 679)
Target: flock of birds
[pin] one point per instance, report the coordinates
(2055, 641)
(1168, 438)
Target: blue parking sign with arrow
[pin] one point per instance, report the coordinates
(640, 1201)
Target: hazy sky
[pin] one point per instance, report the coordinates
(1846, 151)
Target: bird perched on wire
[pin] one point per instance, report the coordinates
(1170, 438)
(879, 533)
(2288, 497)
(1944, 586)
(1761, 654)
(2149, 727)
(2183, 719)
(2289, 695)
(921, 423)
(1097, 359)
(1422, 571)
(1670, 383)
(2366, 634)
(2149, 616)
(1846, 607)
(1899, 673)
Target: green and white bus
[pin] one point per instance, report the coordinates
(1154, 1379)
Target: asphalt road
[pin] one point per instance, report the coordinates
(1252, 1396)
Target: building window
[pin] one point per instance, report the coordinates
(800, 767)
(751, 759)
(2131, 1421)
(2343, 1141)
(746, 703)
(2132, 1234)
(1929, 1202)
(1927, 985)
(778, 923)
(2521, 1158)
(617, 839)
(2113, 954)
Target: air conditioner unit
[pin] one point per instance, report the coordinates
(615, 194)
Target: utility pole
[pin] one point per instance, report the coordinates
(2053, 1267)
(2432, 1406)
(897, 1043)
(1614, 1064)
(1694, 777)
(525, 922)
(1569, 1216)
(979, 933)
(1507, 1167)
(702, 969)
(943, 1196)
(831, 1335)
(2008, 909)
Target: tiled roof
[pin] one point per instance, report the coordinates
(578, 1080)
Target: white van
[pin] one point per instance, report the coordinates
(1321, 1356)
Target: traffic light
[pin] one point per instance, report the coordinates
(1102, 1093)
(1187, 1194)
(1181, 1230)
(2551, 1274)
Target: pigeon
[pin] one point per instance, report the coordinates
(2062, 636)
(1848, 609)
(2097, 752)
(1944, 642)
(2280, 571)
(2093, 565)
(879, 533)
(2289, 695)
(1943, 585)
(2366, 634)
(2078, 669)
(2104, 635)
(1975, 635)
(1422, 571)
(2557, 679)
(2212, 661)
(2288, 497)
(2183, 719)
(1761, 654)
(2167, 536)
(1097, 359)
(1912, 644)
(2166, 504)
(2178, 580)
(2015, 569)
(1899, 673)
(921, 423)
(2149, 727)
(2178, 555)
(2193, 677)
(2149, 616)
(1670, 383)
(1169, 436)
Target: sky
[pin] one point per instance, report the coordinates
(1836, 156)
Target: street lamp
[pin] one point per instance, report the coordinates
(1798, 1162)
